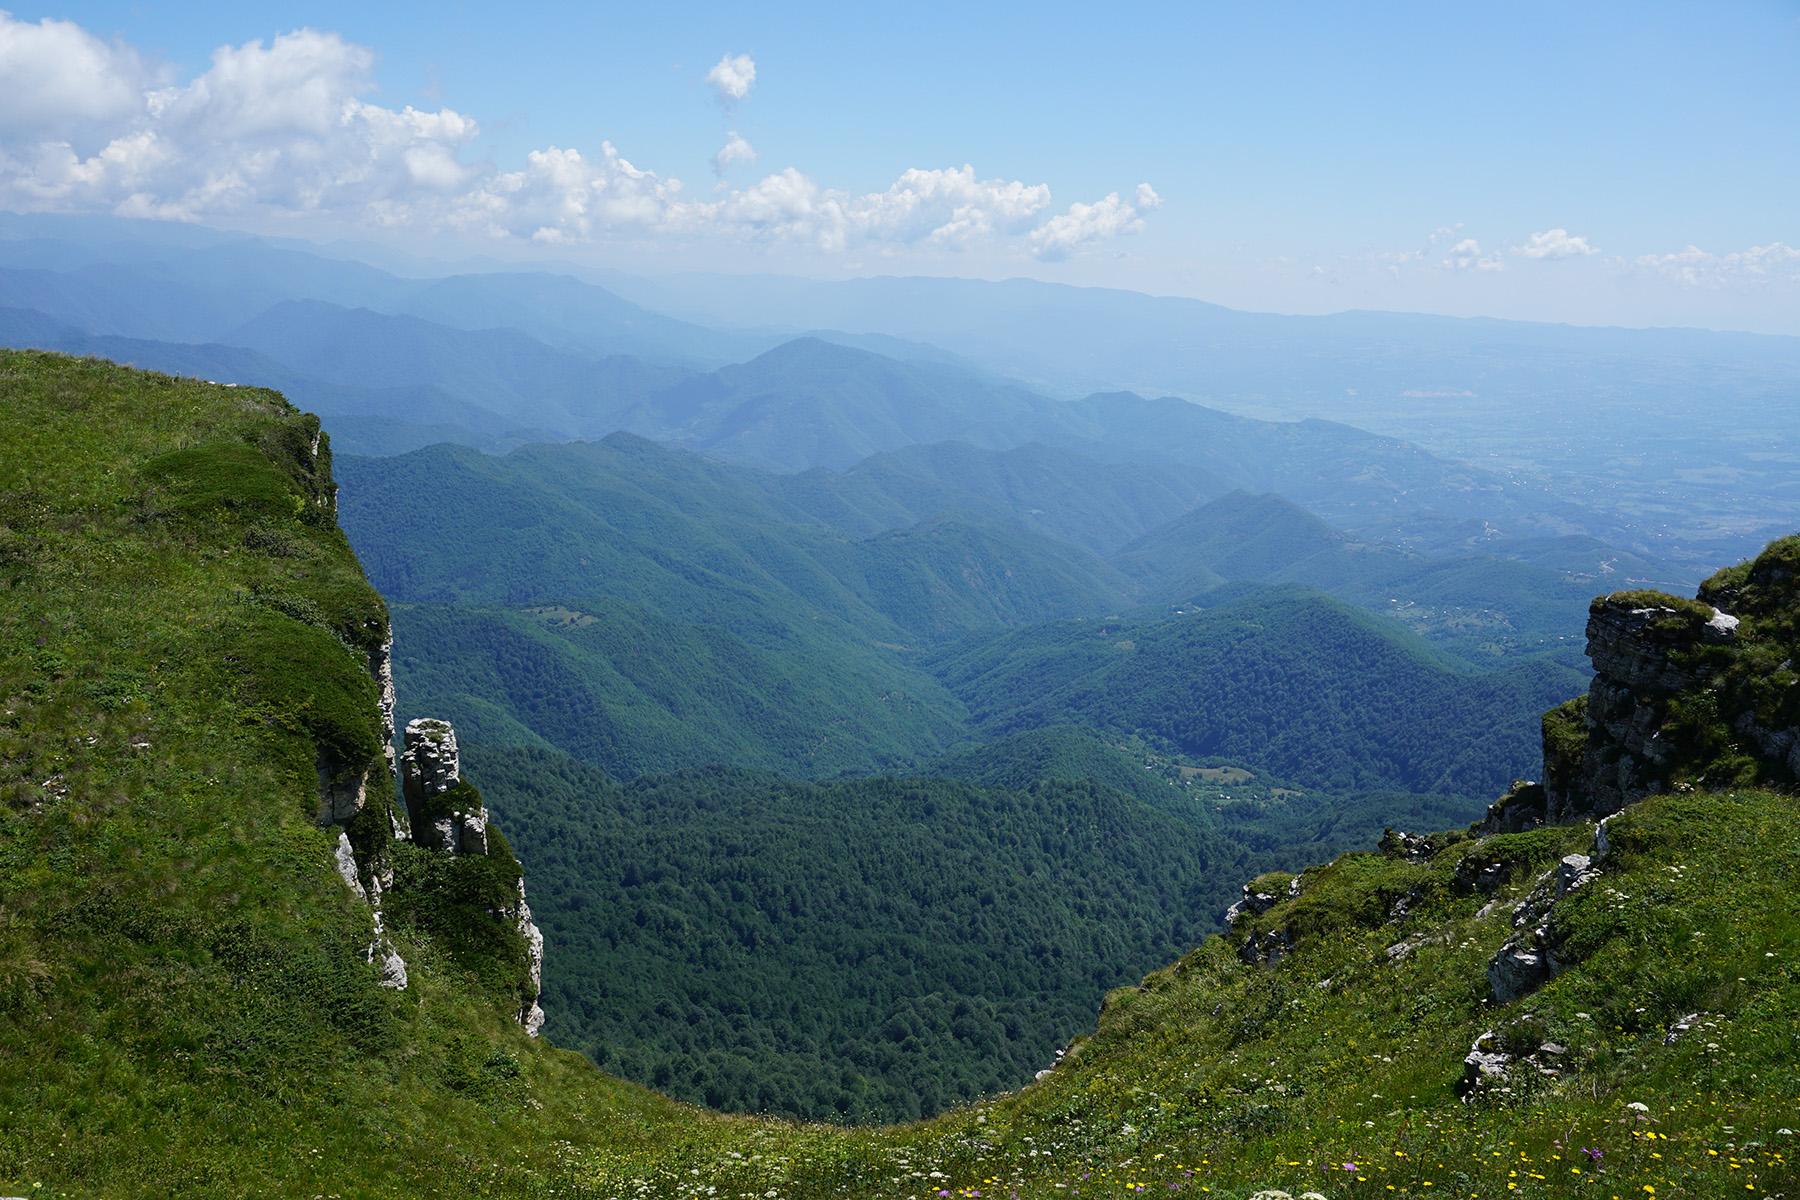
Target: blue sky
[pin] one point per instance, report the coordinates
(1299, 157)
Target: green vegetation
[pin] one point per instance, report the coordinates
(646, 611)
(186, 1007)
(1482, 607)
(449, 902)
(863, 950)
(1285, 680)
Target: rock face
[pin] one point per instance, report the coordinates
(365, 823)
(531, 1013)
(430, 769)
(447, 815)
(1643, 656)
(1697, 692)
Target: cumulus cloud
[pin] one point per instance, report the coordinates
(1466, 255)
(265, 128)
(59, 77)
(1776, 262)
(284, 130)
(1555, 243)
(1108, 217)
(735, 150)
(732, 77)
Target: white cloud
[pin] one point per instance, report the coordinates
(1108, 217)
(60, 77)
(266, 128)
(1466, 255)
(735, 150)
(732, 77)
(1555, 243)
(1776, 262)
(282, 130)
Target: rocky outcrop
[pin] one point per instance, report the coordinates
(1698, 692)
(357, 798)
(442, 815)
(446, 815)
(1645, 654)
(531, 1012)
(1261, 894)
(1532, 956)
(1267, 948)
(1489, 1065)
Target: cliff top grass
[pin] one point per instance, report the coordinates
(184, 1007)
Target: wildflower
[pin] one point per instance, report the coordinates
(1593, 1154)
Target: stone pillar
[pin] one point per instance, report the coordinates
(430, 770)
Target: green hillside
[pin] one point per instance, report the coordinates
(1471, 600)
(648, 610)
(1285, 679)
(813, 403)
(1071, 496)
(630, 690)
(186, 1007)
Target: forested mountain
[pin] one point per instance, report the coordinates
(569, 560)
(517, 378)
(704, 923)
(810, 403)
(565, 312)
(1065, 493)
(1612, 418)
(1484, 604)
(647, 610)
(1289, 680)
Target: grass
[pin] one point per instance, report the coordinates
(184, 1007)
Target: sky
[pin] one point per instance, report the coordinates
(1601, 163)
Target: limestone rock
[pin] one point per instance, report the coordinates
(1573, 871)
(1484, 1066)
(343, 790)
(1525, 806)
(1413, 847)
(430, 770)
(1516, 971)
(430, 765)
(344, 858)
(1266, 949)
(1482, 874)
(1529, 958)
(531, 1013)
(1253, 904)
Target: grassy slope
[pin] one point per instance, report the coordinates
(182, 1009)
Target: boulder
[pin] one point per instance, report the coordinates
(1484, 1066)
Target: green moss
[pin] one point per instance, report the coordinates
(460, 797)
(219, 478)
(301, 677)
(1678, 616)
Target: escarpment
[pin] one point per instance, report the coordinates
(1686, 694)
(448, 819)
(388, 856)
(475, 903)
